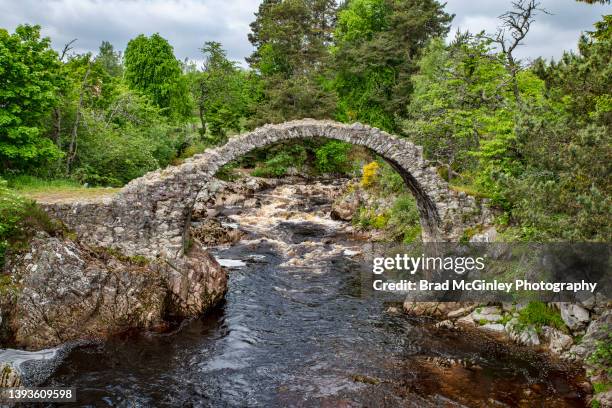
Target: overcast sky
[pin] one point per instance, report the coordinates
(187, 24)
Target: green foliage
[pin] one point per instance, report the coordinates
(19, 220)
(11, 210)
(333, 157)
(279, 162)
(601, 358)
(291, 58)
(539, 314)
(28, 84)
(368, 218)
(404, 220)
(376, 45)
(109, 59)
(152, 68)
(123, 142)
(221, 92)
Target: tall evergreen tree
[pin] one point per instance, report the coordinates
(291, 39)
(110, 59)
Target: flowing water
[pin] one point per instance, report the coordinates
(295, 330)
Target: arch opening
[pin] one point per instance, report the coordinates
(403, 156)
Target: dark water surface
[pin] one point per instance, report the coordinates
(295, 331)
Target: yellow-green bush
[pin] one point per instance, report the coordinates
(370, 174)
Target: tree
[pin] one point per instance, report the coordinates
(291, 56)
(566, 147)
(28, 86)
(109, 59)
(152, 68)
(377, 45)
(514, 28)
(219, 93)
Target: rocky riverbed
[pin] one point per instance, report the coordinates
(295, 327)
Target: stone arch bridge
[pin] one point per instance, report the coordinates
(151, 215)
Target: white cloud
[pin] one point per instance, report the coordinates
(550, 34)
(187, 24)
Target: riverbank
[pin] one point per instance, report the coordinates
(263, 230)
(297, 328)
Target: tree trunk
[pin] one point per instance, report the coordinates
(72, 150)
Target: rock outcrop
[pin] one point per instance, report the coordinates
(65, 291)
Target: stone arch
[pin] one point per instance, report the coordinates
(150, 216)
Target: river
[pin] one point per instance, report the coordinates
(295, 330)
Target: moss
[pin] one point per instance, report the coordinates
(470, 190)
(137, 260)
(7, 286)
(469, 232)
(20, 220)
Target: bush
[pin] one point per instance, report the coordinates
(19, 220)
(539, 314)
(277, 166)
(332, 157)
(370, 174)
(404, 220)
(11, 211)
(390, 180)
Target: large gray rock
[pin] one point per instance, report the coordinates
(346, 206)
(487, 314)
(574, 316)
(520, 334)
(72, 292)
(598, 331)
(558, 341)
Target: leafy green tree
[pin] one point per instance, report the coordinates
(333, 157)
(28, 86)
(377, 45)
(152, 68)
(219, 92)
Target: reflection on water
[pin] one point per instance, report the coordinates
(294, 331)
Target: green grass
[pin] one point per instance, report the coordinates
(31, 183)
(56, 190)
(601, 387)
(470, 190)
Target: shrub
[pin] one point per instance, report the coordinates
(404, 220)
(539, 314)
(277, 165)
(332, 157)
(19, 220)
(370, 174)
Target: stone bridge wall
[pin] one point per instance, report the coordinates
(151, 215)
